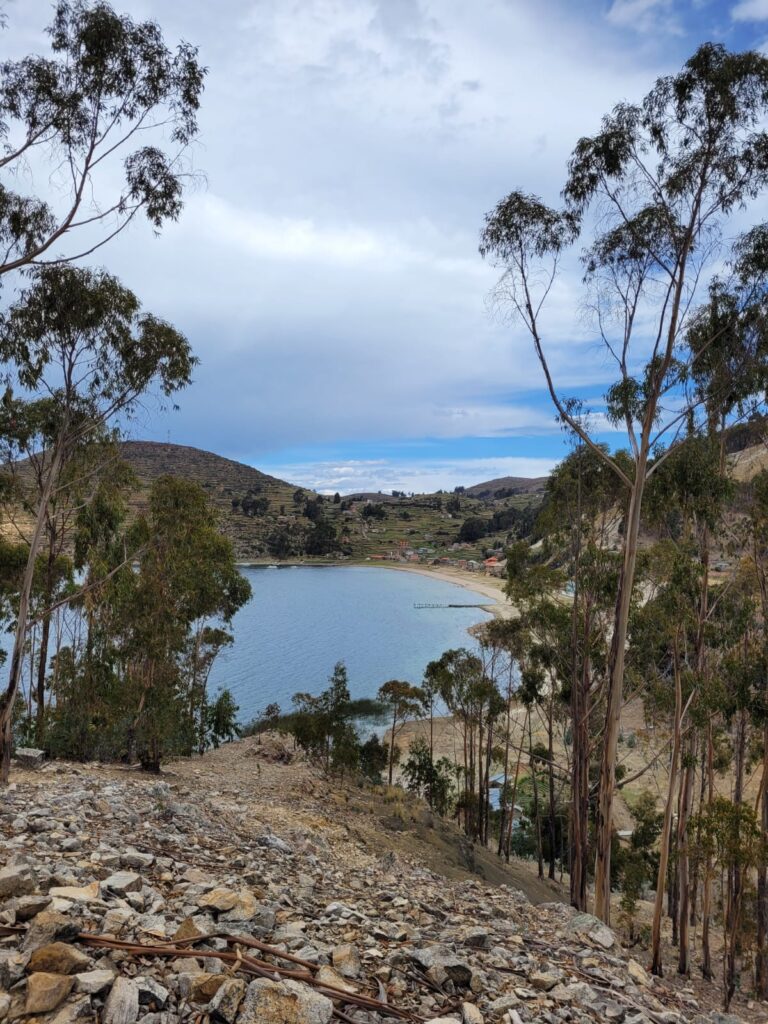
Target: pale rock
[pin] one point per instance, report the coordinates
(545, 980)
(123, 882)
(477, 938)
(288, 1002)
(328, 976)
(78, 893)
(638, 973)
(133, 858)
(5, 1005)
(26, 907)
(122, 1006)
(93, 982)
(45, 992)
(440, 965)
(74, 1011)
(470, 1014)
(49, 926)
(346, 960)
(29, 757)
(116, 919)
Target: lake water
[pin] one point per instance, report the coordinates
(302, 620)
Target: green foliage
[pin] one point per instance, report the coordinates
(435, 781)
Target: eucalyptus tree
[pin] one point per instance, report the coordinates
(107, 119)
(79, 338)
(403, 701)
(655, 188)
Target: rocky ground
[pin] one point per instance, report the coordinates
(241, 888)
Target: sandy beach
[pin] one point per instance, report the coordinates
(488, 586)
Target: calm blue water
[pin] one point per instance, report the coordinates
(302, 620)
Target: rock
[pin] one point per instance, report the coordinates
(200, 987)
(593, 927)
(477, 938)
(638, 974)
(58, 958)
(29, 757)
(328, 976)
(226, 1002)
(77, 894)
(151, 992)
(135, 859)
(470, 1014)
(346, 960)
(441, 965)
(288, 1002)
(27, 907)
(122, 1006)
(49, 926)
(123, 882)
(93, 982)
(545, 980)
(46, 991)
(74, 1011)
(116, 919)
(274, 843)
(16, 880)
(5, 1005)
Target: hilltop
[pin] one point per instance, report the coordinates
(244, 887)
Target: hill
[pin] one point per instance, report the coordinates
(507, 486)
(269, 519)
(244, 886)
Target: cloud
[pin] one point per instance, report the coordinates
(420, 477)
(644, 16)
(750, 10)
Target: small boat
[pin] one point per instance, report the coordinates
(271, 566)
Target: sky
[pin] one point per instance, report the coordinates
(325, 268)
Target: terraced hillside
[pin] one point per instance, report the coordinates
(269, 519)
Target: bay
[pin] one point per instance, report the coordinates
(302, 620)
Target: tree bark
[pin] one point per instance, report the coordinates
(8, 698)
(607, 783)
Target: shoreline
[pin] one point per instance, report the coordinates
(484, 586)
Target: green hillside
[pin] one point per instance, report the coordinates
(271, 520)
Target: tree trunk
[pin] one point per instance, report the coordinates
(552, 825)
(607, 781)
(536, 815)
(666, 831)
(683, 965)
(513, 797)
(8, 698)
(761, 959)
(706, 897)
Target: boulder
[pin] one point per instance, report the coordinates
(46, 991)
(29, 757)
(122, 1006)
(288, 1002)
(346, 960)
(16, 880)
(58, 958)
(123, 882)
(226, 1002)
(441, 965)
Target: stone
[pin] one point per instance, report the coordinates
(16, 880)
(151, 992)
(133, 858)
(545, 980)
(219, 900)
(346, 960)
(288, 1002)
(77, 893)
(470, 1014)
(441, 965)
(29, 757)
(74, 1011)
(226, 1002)
(328, 976)
(638, 973)
(122, 1006)
(5, 1005)
(49, 926)
(46, 991)
(274, 843)
(204, 986)
(58, 958)
(116, 919)
(477, 938)
(123, 882)
(27, 907)
(93, 982)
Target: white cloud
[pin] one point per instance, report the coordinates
(645, 16)
(421, 477)
(750, 10)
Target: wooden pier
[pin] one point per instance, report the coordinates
(418, 605)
